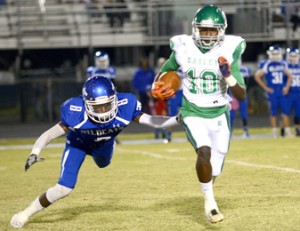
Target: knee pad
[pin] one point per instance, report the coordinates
(57, 192)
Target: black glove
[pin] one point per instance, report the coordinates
(33, 158)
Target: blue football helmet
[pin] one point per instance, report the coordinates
(100, 99)
(292, 55)
(275, 53)
(101, 60)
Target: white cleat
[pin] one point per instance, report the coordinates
(18, 220)
(212, 212)
(215, 216)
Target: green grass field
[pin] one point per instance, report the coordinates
(154, 187)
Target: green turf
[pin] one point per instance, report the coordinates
(153, 187)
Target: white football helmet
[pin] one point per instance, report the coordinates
(101, 60)
(292, 55)
(275, 53)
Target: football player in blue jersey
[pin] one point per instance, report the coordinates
(102, 67)
(292, 56)
(277, 84)
(91, 123)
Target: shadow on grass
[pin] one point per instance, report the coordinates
(191, 207)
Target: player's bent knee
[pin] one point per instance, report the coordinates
(57, 192)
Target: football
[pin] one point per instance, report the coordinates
(171, 78)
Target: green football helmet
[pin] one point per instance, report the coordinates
(209, 16)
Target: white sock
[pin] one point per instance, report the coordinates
(274, 131)
(33, 208)
(288, 131)
(207, 189)
(210, 203)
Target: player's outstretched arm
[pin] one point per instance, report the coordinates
(157, 121)
(54, 132)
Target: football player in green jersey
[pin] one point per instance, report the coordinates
(209, 60)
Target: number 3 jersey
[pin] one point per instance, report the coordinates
(85, 134)
(203, 84)
(275, 75)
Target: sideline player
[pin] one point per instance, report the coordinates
(91, 123)
(277, 84)
(102, 67)
(292, 56)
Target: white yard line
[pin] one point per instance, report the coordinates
(263, 166)
(159, 156)
(156, 155)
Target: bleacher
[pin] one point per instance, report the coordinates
(69, 24)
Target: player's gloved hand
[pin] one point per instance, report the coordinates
(161, 91)
(224, 66)
(33, 158)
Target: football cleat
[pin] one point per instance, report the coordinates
(19, 220)
(211, 211)
(215, 216)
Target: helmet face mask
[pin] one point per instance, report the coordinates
(100, 99)
(275, 53)
(101, 60)
(209, 25)
(293, 55)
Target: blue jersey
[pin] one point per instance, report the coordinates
(295, 70)
(86, 134)
(109, 72)
(275, 75)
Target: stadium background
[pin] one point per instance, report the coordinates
(45, 47)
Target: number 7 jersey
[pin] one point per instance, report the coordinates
(203, 84)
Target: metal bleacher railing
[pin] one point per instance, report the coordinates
(65, 23)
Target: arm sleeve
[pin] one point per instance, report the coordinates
(158, 121)
(170, 64)
(46, 138)
(235, 66)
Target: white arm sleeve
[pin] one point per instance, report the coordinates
(46, 138)
(158, 121)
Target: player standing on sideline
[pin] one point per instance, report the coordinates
(91, 122)
(292, 56)
(209, 60)
(278, 81)
(102, 67)
(242, 106)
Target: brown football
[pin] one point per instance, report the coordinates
(171, 78)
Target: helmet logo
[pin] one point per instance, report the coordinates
(208, 22)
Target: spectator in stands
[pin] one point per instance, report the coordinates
(91, 6)
(142, 81)
(295, 20)
(116, 11)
